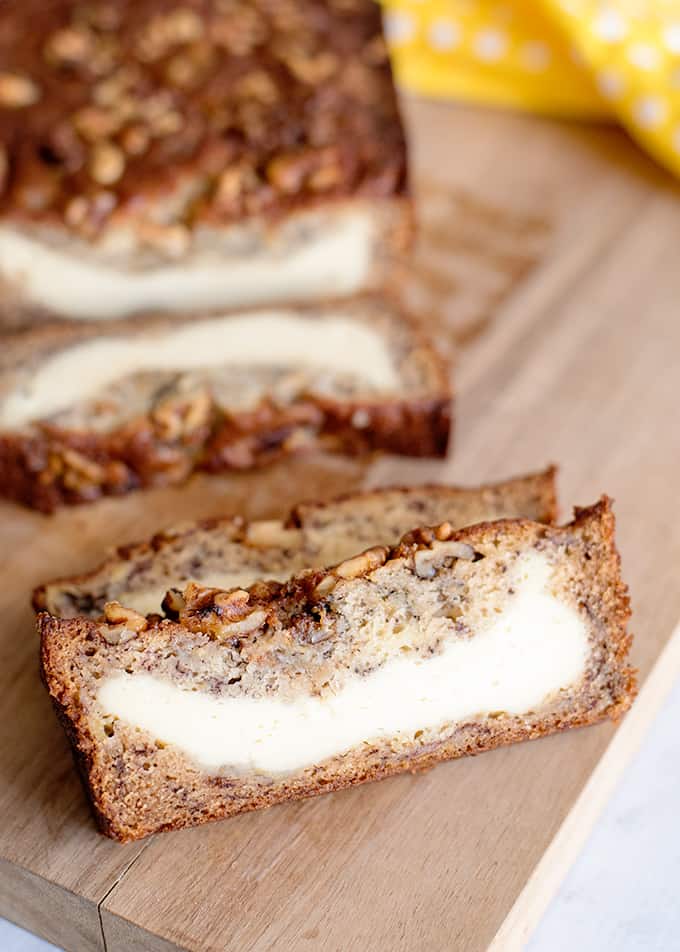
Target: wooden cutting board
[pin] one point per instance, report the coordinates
(549, 263)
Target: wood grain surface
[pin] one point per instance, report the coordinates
(549, 265)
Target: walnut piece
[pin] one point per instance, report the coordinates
(245, 625)
(107, 163)
(271, 532)
(180, 415)
(117, 634)
(93, 123)
(72, 45)
(325, 586)
(76, 465)
(427, 561)
(361, 564)
(232, 605)
(17, 91)
(117, 614)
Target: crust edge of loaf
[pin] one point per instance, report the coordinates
(57, 469)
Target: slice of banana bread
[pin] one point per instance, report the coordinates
(86, 412)
(157, 156)
(229, 553)
(451, 643)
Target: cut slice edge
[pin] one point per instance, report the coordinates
(235, 553)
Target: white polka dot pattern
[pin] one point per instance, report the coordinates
(590, 58)
(490, 45)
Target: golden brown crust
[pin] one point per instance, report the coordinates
(532, 496)
(212, 111)
(56, 468)
(131, 802)
(537, 492)
(46, 466)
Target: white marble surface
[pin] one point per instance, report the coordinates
(623, 892)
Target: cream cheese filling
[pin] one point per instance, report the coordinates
(279, 337)
(536, 647)
(334, 259)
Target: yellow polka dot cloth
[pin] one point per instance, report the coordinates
(580, 58)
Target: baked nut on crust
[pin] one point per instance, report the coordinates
(89, 410)
(230, 552)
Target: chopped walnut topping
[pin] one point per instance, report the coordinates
(246, 625)
(325, 586)
(80, 466)
(234, 182)
(197, 411)
(135, 140)
(104, 56)
(191, 66)
(258, 85)
(102, 16)
(107, 163)
(361, 564)
(68, 46)
(141, 97)
(169, 30)
(358, 80)
(300, 438)
(93, 123)
(76, 212)
(17, 91)
(166, 123)
(173, 603)
(289, 173)
(117, 634)
(232, 605)
(328, 176)
(239, 30)
(179, 415)
(183, 26)
(180, 71)
(117, 614)
(312, 69)
(427, 561)
(108, 91)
